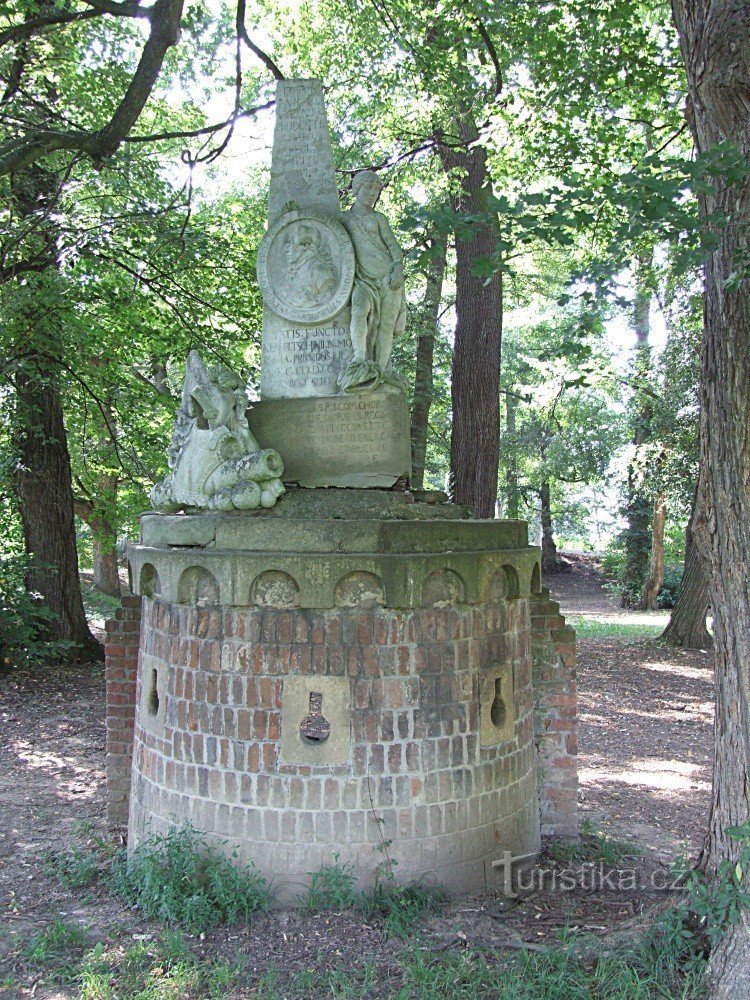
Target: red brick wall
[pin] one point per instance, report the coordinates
(121, 668)
(555, 717)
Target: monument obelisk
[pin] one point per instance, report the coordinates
(308, 269)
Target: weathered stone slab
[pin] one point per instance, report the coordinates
(359, 440)
(301, 159)
(302, 358)
(301, 361)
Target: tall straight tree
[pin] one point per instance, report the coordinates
(475, 372)
(427, 329)
(715, 42)
(31, 159)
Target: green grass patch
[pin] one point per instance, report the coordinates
(402, 907)
(591, 628)
(56, 950)
(652, 971)
(83, 861)
(399, 907)
(182, 880)
(74, 867)
(593, 846)
(160, 970)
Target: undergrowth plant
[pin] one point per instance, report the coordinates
(711, 902)
(24, 620)
(332, 887)
(182, 880)
(592, 846)
(55, 950)
(162, 969)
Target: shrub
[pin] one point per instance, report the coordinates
(332, 888)
(24, 620)
(668, 593)
(181, 880)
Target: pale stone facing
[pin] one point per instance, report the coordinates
(302, 361)
(332, 282)
(306, 267)
(306, 261)
(301, 158)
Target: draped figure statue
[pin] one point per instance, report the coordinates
(378, 303)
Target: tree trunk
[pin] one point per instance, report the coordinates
(99, 517)
(423, 375)
(104, 530)
(715, 42)
(687, 623)
(655, 578)
(638, 508)
(45, 501)
(106, 570)
(42, 480)
(475, 373)
(513, 500)
(549, 549)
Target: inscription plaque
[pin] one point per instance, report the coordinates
(360, 440)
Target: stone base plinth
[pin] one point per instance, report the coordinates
(410, 636)
(360, 440)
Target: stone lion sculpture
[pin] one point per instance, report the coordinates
(215, 462)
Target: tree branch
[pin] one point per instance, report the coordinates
(242, 33)
(36, 25)
(165, 20)
(492, 52)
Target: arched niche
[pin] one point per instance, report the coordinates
(198, 587)
(359, 590)
(512, 583)
(442, 588)
(149, 584)
(275, 589)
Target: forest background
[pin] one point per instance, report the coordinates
(542, 180)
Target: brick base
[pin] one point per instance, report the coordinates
(553, 646)
(121, 670)
(415, 765)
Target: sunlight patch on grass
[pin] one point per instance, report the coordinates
(621, 627)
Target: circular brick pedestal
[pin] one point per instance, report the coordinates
(371, 685)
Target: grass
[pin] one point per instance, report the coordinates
(183, 881)
(56, 950)
(74, 867)
(649, 973)
(399, 907)
(333, 887)
(85, 860)
(592, 847)
(161, 970)
(165, 968)
(593, 628)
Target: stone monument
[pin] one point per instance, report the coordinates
(215, 462)
(317, 671)
(333, 294)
